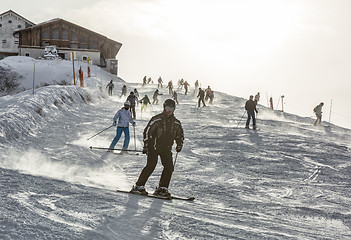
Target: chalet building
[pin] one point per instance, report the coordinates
(31, 39)
(10, 22)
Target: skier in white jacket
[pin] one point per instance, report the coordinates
(124, 117)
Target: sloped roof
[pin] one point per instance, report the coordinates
(62, 20)
(10, 11)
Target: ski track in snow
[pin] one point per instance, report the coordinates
(288, 180)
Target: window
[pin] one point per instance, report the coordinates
(83, 42)
(74, 45)
(0, 25)
(45, 34)
(27, 54)
(55, 33)
(4, 41)
(19, 26)
(85, 58)
(93, 44)
(65, 34)
(74, 37)
(10, 21)
(16, 42)
(45, 43)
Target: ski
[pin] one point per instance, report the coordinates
(118, 149)
(159, 197)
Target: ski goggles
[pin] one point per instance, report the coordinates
(169, 109)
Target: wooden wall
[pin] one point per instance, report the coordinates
(64, 34)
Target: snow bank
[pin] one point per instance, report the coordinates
(23, 113)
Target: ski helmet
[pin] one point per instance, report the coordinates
(127, 103)
(169, 103)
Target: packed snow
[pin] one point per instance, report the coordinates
(287, 180)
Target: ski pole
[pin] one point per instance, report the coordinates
(100, 132)
(120, 149)
(175, 160)
(241, 119)
(134, 139)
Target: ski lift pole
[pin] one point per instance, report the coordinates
(74, 73)
(134, 138)
(331, 102)
(33, 77)
(100, 132)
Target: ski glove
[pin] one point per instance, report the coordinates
(114, 123)
(145, 150)
(134, 124)
(179, 148)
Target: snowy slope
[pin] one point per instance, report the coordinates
(288, 180)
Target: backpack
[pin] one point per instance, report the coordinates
(315, 108)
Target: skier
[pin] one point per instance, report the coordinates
(124, 90)
(180, 83)
(124, 117)
(170, 87)
(211, 97)
(159, 136)
(318, 111)
(201, 96)
(149, 80)
(257, 97)
(144, 81)
(196, 86)
(159, 82)
(154, 97)
(110, 87)
(250, 107)
(208, 93)
(132, 99)
(81, 78)
(186, 85)
(145, 101)
(136, 94)
(175, 97)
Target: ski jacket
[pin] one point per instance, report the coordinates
(318, 109)
(145, 100)
(201, 94)
(124, 117)
(156, 93)
(161, 132)
(110, 85)
(250, 105)
(132, 100)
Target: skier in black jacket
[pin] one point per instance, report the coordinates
(159, 136)
(201, 97)
(250, 107)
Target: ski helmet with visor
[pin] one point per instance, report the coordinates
(169, 105)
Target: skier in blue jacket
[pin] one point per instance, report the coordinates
(124, 117)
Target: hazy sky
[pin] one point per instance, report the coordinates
(296, 48)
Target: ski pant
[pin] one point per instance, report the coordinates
(319, 119)
(168, 168)
(110, 91)
(132, 110)
(144, 106)
(203, 102)
(251, 114)
(118, 136)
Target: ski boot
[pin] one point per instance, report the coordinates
(162, 191)
(139, 190)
